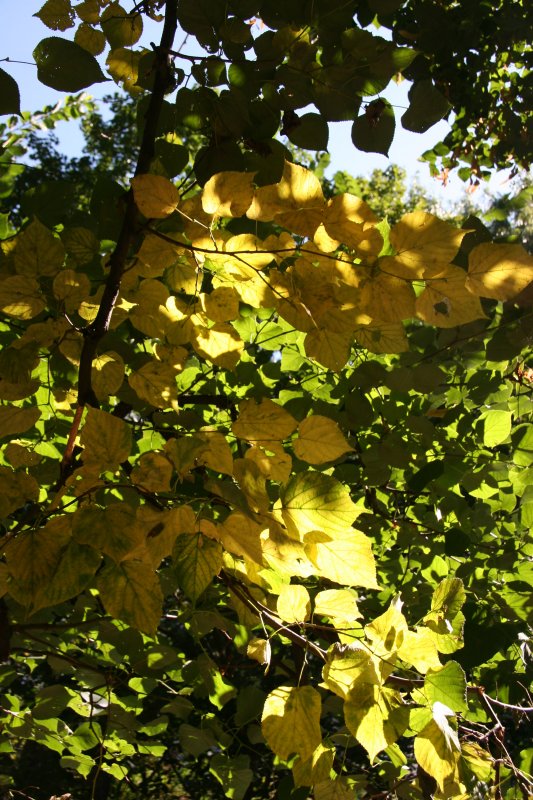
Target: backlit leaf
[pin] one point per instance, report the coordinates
(312, 501)
(291, 721)
(65, 66)
(320, 440)
(196, 561)
(228, 194)
(294, 603)
(106, 439)
(345, 558)
(56, 14)
(437, 747)
(496, 427)
(9, 94)
(155, 197)
(14, 420)
(500, 271)
(131, 591)
(421, 241)
(263, 422)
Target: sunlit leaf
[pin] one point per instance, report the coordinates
(291, 721)
(155, 197)
(294, 603)
(500, 271)
(320, 440)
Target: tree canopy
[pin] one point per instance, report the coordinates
(266, 454)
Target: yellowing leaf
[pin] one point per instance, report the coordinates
(38, 251)
(437, 747)
(500, 271)
(382, 337)
(316, 768)
(291, 721)
(107, 374)
(320, 440)
(81, 244)
(337, 604)
(263, 422)
(153, 472)
(241, 536)
(253, 484)
(272, 460)
(387, 632)
(350, 221)
(294, 603)
(21, 297)
(259, 650)
(420, 650)
(196, 560)
(185, 453)
(16, 489)
(112, 531)
(155, 383)
(386, 298)
(56, 15)
(374, 716)
(72, 288)
(155, 196)
(123, 66)
(14, 420)
(106, 440)
(222, 304)
(131, 591)
(345, 558)
(155, 256)
(421, 240)
(312, 501)
(445, 302)
(217, 453)
(347, 664)
(220, 344)
(329, 348)
(337, 789)
(228, 194)
(296, 202)
(90, 39)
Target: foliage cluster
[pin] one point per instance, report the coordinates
(267, 457)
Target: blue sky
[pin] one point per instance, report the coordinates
(20, 33)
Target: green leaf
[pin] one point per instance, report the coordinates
(427, 106)
(446, 685)
(9, 94)
(496, 427)
(373, 131)
(310, 132)
(131, 591)
(65, 66)
(196, 560)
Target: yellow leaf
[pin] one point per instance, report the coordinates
(20, 455)
(81, 244)
(294, 603)
(185, 453)
(387, 298)
(89, 11)
(155, 197)
(72, 288)
(337, 789)
(222, 304)
(112, 531)
(259, 650)
(90, 39)
(312, 501)
(183, 276)
(291, 721)
(383, 337)
(21, 297)
(241, 536)
(330, 349)
(121, 29)
(350, 221)
(131, 591)
(153, 472)
(155, 383)
(386, 633)
(446, 302)
(337, 604)
(196, 560)
(374, 716)
(316, 768)
(421, 240)
(272, 460)
(228, 194)
(155, 256)
(217, 453)
(347, 664)
(162, 528)
(106, 440)
(16, 489)
(253, 484)
(420, 650)
(107, 374)
(500, 271)
(56, 15)
(437, 747)
(123, 66)
(296, 202)
(345, 558)
(320, 440)
(284, 555)
(14, 420)
(38, 251)
(220, 344)
(263, 422)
